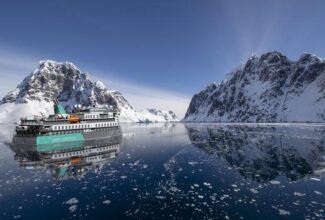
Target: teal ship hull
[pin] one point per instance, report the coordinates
(60, 142)
(58, 138)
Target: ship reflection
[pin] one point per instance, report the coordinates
(264, 152)
(69, 159)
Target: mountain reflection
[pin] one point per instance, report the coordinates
(69, 159)
(264, 152)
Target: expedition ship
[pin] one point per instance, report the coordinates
(63, 127)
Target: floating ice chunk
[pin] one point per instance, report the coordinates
(192, 163)
(73, 208)
(106, 202)
(253, 190)
(174, 189)
(207, 184)
(145, 166)
(315, 179)
(123, 177)
(200, 196)
(275, 182)
(224, 196)
(160, 197)
(283, 212)
(318, 193)
(299, 194)
(72, 201)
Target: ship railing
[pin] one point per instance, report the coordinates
(23, 122)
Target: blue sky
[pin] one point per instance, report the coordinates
(158, 53)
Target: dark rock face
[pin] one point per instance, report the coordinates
(269, 88)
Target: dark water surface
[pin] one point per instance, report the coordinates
(171, 171)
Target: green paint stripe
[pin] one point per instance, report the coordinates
(52, 139)
(59, 146)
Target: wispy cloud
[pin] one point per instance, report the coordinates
(144, 96)
(15, 66)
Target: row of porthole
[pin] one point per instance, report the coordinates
(68, 127)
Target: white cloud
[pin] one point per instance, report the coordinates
(143, 96)
(15, 66)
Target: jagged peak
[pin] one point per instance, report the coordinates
(153, 110)
(308, 57)
(212, 86)
(100, 85)
(52, 63)
(272, 57)
(253, 56)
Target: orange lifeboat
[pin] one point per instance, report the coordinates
(75, 160)
(74, 119)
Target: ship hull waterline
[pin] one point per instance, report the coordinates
(46, 142)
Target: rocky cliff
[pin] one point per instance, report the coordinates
(267, 88)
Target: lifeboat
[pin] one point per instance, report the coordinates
(74, 119)
(75, 160)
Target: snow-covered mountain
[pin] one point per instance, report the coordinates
(267, 88)
(71, 86)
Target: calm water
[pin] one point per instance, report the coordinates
(172, 171)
